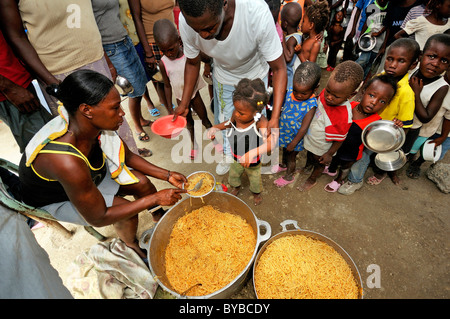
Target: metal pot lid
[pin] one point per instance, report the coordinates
(383, 136)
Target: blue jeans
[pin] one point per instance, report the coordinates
(125, 59)
(365, 61)
(359, 168)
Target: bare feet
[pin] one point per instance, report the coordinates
(307, 185)
(306, 170)
(235, 190)
(145, 122)
(394, 178)
(257, 199)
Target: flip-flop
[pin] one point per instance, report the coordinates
(413, 171)
(281, 182)
(332, 186)
(143, 137)
(277, 168)
(154, 112)
(326, 171)
(373, 180)
(144, 152)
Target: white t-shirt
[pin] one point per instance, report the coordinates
(252, 42)
(423, 29)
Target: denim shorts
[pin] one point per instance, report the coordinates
(125, 59)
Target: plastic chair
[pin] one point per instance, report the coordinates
(38, 214)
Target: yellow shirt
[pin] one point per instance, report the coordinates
(402, 104)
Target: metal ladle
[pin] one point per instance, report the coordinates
(123, 86)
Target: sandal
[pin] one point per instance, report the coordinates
(277, 168)
(281, 182)
(154, 112)
(332, 187)
(413, 171)
(373, 180)
(326, 171)
(143, 137)
(144, 152)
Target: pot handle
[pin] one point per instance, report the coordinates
(289, 222)
(144, 241)
(268, 229)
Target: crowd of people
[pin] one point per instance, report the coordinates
(248, 48)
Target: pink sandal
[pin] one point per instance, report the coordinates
(277, 168)
(332, 187)
(326, 171)
(281, 182)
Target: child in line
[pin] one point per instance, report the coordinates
(334, 39)
(314, 22)
(290, 19)
(423, 27)
(377, 93)
(332, 119)
(247, 135)
(298, 110)
(374, 25)
(401, 57)
(431, 95)
(172, 69)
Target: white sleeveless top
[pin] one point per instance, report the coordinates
(428, 129)
(175, 72)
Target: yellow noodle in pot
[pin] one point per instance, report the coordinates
(207, 184)
(210, 247)
(300, 267)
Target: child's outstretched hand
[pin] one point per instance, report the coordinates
(397, 122)
(211, 133)
(298, 48)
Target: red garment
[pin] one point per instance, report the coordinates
(11, 68)
(362, 123)
(340, 120)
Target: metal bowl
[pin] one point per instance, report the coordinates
(367, 42)
(383, 136)
(202, 172)
(391, 161)
(314, 235)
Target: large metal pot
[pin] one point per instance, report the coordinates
(155, 240)
(311, 234)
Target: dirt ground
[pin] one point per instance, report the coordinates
(396, 235)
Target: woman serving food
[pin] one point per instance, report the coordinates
(77, 167)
